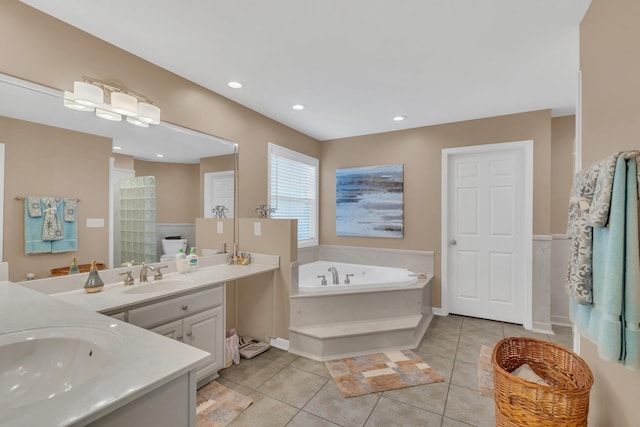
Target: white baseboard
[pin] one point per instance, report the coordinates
(439, 311)
(543, 328)
(280, 343)
(561, 321)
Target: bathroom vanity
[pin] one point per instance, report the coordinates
(148, 380)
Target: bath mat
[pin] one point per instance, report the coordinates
(485, 371)
(356, 376)
(218, 405)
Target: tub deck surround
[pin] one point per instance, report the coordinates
(147, 361)
(330, 325)
(115, 296)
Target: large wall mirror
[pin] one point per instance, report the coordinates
(53, 151)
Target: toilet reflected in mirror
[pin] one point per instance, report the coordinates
(171, 245)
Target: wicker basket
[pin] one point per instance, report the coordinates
(84, 268)
(565, 402)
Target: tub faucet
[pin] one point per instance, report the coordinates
(143, 271)
(334, 272)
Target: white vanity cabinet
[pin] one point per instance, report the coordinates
(195, 318)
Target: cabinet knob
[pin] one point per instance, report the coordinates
(179, 338)
(189, 333)
(185, 307)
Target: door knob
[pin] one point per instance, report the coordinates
(453, 242)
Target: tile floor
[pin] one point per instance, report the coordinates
(293, 391)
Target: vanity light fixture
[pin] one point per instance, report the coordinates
(111, 101)
(399, 118)
(298, 107)
(234, 85)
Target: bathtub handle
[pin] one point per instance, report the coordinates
(346, 279)
(324, 280)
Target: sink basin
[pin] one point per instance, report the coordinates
(39, 364)
(159, 286)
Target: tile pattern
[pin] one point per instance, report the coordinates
(292, 391)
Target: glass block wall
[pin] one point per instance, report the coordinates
(138, 219)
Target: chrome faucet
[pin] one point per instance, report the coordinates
(143, 271)
(334, 272)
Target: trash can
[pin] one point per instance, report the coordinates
(518, 402)
(231, 347)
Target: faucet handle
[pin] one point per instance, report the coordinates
(128, 281)
(324, 280)
(346, 279)
(158, 274)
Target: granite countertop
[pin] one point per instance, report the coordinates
(143, 361)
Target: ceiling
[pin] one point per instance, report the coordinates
(355, 64)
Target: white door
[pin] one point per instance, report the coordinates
(485, 239)
(219, 191)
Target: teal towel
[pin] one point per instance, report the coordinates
(613, 321)
(608, 270)
(68, 211)
(33, 243)
(631, 354)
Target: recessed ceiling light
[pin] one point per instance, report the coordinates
(159, 155)
(298, 107)
(115, 147)
(399, 118)
(234, 85)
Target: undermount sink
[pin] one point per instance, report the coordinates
(42, 363)
(159, 286)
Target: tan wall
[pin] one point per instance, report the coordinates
(42, 160)
(177, 190)
(263, 301)
(609, 43)
(563, 130)
(39, 48)
(420, 150)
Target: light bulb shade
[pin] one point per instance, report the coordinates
(136, 122)
(124, 104)
(148, 113)
(108, 115)
(87, 94)
(70, 102)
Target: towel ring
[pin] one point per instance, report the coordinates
(632, 154)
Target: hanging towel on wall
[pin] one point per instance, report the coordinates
(33, 243)
(51, 225)
(579, 274)
(52, 218)
(612, 322)
(69, 227)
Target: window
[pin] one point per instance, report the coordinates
(293, 191)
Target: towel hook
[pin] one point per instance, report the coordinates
(632, 154)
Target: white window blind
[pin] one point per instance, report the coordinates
(293, 190)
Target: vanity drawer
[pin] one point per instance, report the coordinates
(176, 308)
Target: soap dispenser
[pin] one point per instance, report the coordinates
(181, 261)
(192, 260)
(73, 268)
(94, 283)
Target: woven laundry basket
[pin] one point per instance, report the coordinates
(565, 402)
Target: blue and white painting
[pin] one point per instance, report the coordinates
(369, 201)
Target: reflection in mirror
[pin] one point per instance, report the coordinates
(51, 150)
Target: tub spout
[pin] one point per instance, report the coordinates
(334, 272)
